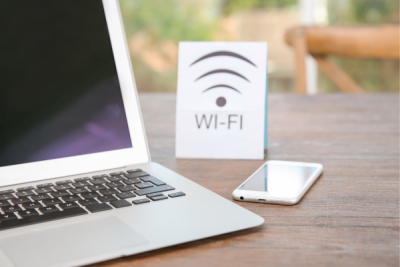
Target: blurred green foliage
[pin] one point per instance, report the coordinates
(162, 21)
(175, 20)
(363, 11)
(233, 6)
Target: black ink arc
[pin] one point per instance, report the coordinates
(222, 85)
(222, 71)
(223, 53)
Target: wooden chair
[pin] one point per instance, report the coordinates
(380, 42)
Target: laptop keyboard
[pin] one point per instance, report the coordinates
(64, 199)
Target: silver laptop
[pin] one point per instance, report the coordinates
(76, 179)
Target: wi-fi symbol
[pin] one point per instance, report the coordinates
(221, 101)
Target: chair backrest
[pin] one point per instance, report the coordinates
(381, 42)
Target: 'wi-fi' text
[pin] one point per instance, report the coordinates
(213, 121)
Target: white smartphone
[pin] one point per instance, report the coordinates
(279, 182)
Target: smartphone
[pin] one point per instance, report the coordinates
(279, 182)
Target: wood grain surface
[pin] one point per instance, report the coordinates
(350, 216)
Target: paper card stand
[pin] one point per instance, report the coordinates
(222, 100)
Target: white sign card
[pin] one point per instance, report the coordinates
(221, 100)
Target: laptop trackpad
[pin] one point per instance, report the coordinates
(70, 242)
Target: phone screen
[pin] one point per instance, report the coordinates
(279, 179)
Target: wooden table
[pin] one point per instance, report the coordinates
(350, 217)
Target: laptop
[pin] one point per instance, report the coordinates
(77, 184)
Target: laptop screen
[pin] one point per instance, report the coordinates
(59, 90)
